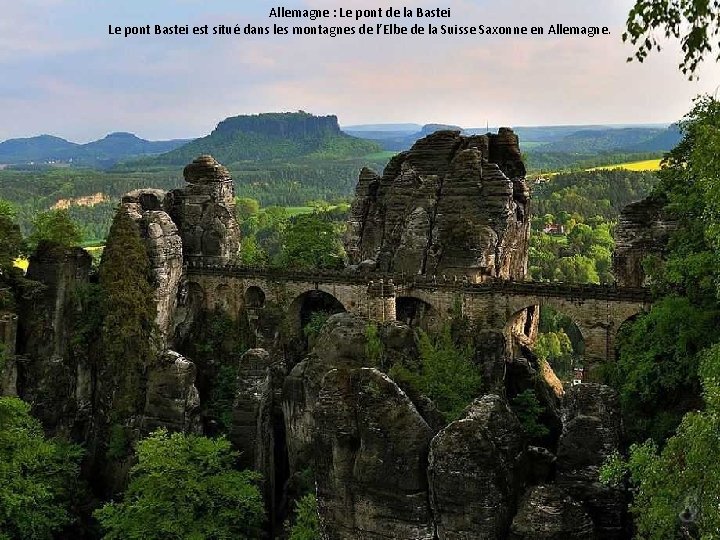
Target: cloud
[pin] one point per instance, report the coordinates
(69, 77)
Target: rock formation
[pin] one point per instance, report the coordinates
(451, 205)
(548, 513)
(591, 433)
(474, 472)
(49, 376)
(644, 229)
(148, 207)
(204, 212)
(371, 452)
(172, 401)
(8, 367)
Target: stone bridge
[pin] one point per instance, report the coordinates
(498, 305)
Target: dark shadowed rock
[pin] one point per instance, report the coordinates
(450, 205)
(50, 376)
(591, 433)
(8, 369)
(148, 208)
(644, 229)
(548, 513)
(474, 472)
(172, 401)
(371, 451)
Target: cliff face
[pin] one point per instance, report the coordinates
(280, 125)
(450, 205)
(383, 471)
(644, 229)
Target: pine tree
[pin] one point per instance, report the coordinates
(128, 329)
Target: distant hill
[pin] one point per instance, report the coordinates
(580, 139)
(390, 137)
(40, 148)
(612, 140)
(272, 136)
(103, 153)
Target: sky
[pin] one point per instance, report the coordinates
(63, 73)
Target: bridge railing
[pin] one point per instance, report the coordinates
(570, 291)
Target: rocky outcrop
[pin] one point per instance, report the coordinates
(474, 472)
(644, 229)
(371, 451)
(548, 513)
(451, 205)
(148, 207)
(8, 367)
(52, 378)
(172, 401)
(591, 433)
(204, 212)
(341, 344)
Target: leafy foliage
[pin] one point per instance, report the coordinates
(11, 240)
(374, 348)
(528, 410)
(184, 486)
(55, 227)
(656, 371)
(446, 374)
(39, 476)
(307, 522)
(695, 22)
(310, 242)
(683, 477)
(317, 320)
(128, 327)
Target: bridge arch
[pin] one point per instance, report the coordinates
(306, 304)
(414, 312)
(553, 335)
(254, 297)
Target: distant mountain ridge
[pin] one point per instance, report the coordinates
(580, 139)
(272, 136)
(103, 152)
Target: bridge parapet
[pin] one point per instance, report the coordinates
(567, 291)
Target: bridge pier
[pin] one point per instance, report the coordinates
(381, 301)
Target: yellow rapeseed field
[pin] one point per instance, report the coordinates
(647, 165)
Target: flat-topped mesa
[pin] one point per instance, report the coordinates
(204, 212)
(451, 205)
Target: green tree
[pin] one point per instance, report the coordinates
(185, 487)
(528, 410)
(38, 476)
(310, 242)
(696, 23)
(56, 227)
(683, 478)
(11, 240)
(446, 374)
(128, 328)
(307, 522)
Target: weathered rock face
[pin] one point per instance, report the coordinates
(548, 513)
(450, 205)
(474, 472)
(371, 451)
(49, 376)
(8, 369)
(148, 207)
(204, 212)
(172, 401)
(340, 344)
(644, 229)
(591, 432)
